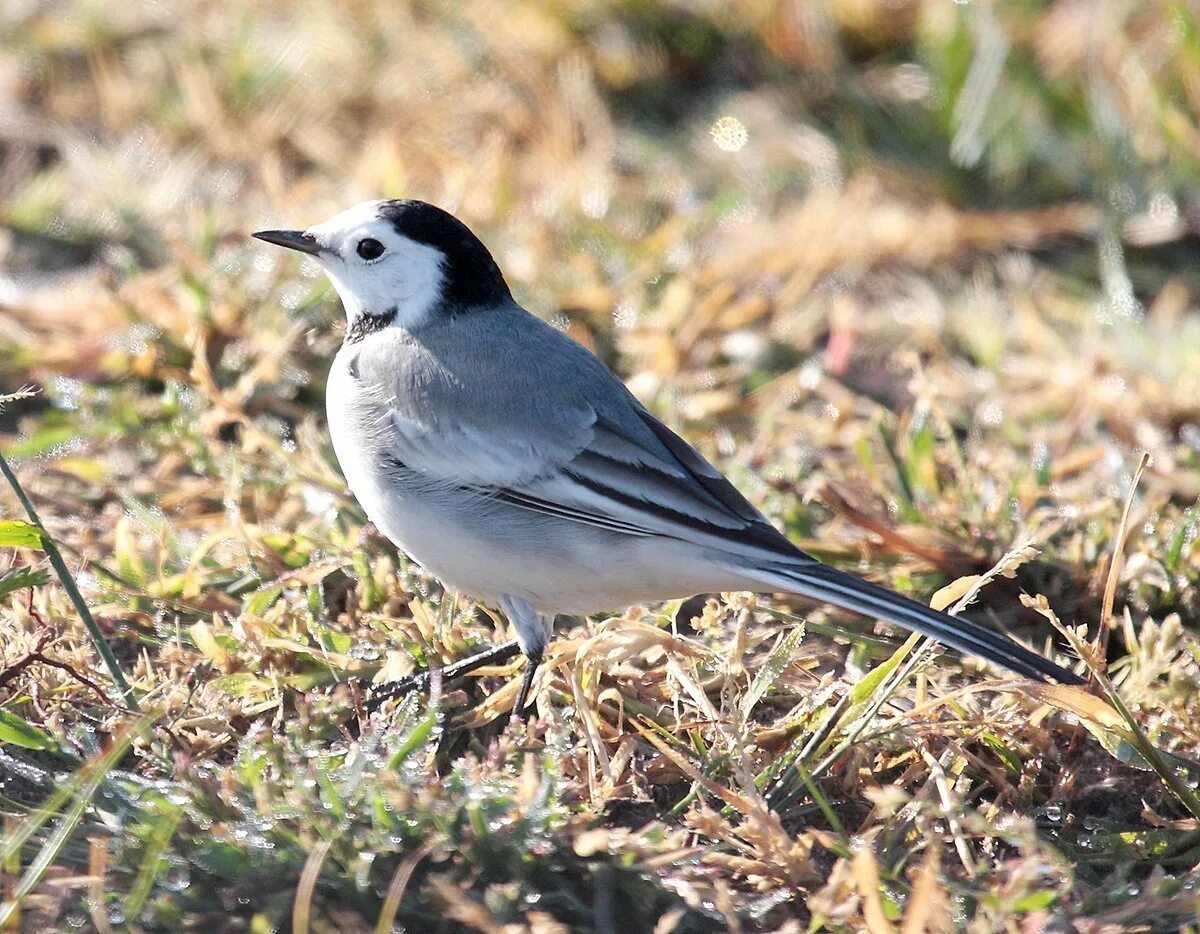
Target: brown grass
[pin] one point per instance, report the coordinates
(935, 309)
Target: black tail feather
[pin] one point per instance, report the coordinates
(828, 584)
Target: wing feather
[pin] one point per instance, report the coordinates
(586, 451)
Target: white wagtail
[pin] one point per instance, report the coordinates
(509, 462)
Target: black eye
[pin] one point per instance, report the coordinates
(370, 248)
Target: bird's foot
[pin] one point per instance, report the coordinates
(521, 708)
(379, 694)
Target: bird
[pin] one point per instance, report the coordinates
(513, 465)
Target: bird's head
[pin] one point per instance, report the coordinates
(399, 262)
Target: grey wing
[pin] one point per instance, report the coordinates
(543, 425)
(664, 488)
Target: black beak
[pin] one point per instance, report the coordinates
(292, 239)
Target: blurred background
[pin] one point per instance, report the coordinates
(920, 274)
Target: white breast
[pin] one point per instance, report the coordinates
(432, 524)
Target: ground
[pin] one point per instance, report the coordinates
(919, 275)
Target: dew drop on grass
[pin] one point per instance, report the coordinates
(141, 336)
(729, 134)
(62, 449)
(294, 375)
(595, 201)
(88, 583)
(318, 501)
(290, 296)
(66, 392)
(177, 877)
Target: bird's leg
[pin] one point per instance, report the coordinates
(533, 634)
(380, 694)
(532, 661)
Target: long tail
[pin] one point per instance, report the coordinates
(828, 584)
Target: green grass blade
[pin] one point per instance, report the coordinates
(64, 575)
(81, 789)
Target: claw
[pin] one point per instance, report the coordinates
(523, 698)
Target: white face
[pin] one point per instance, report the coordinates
(406, 275)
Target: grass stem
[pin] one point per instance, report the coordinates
(69, 585)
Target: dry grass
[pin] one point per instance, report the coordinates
(921, 276)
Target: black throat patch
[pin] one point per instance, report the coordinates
(367, 323)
